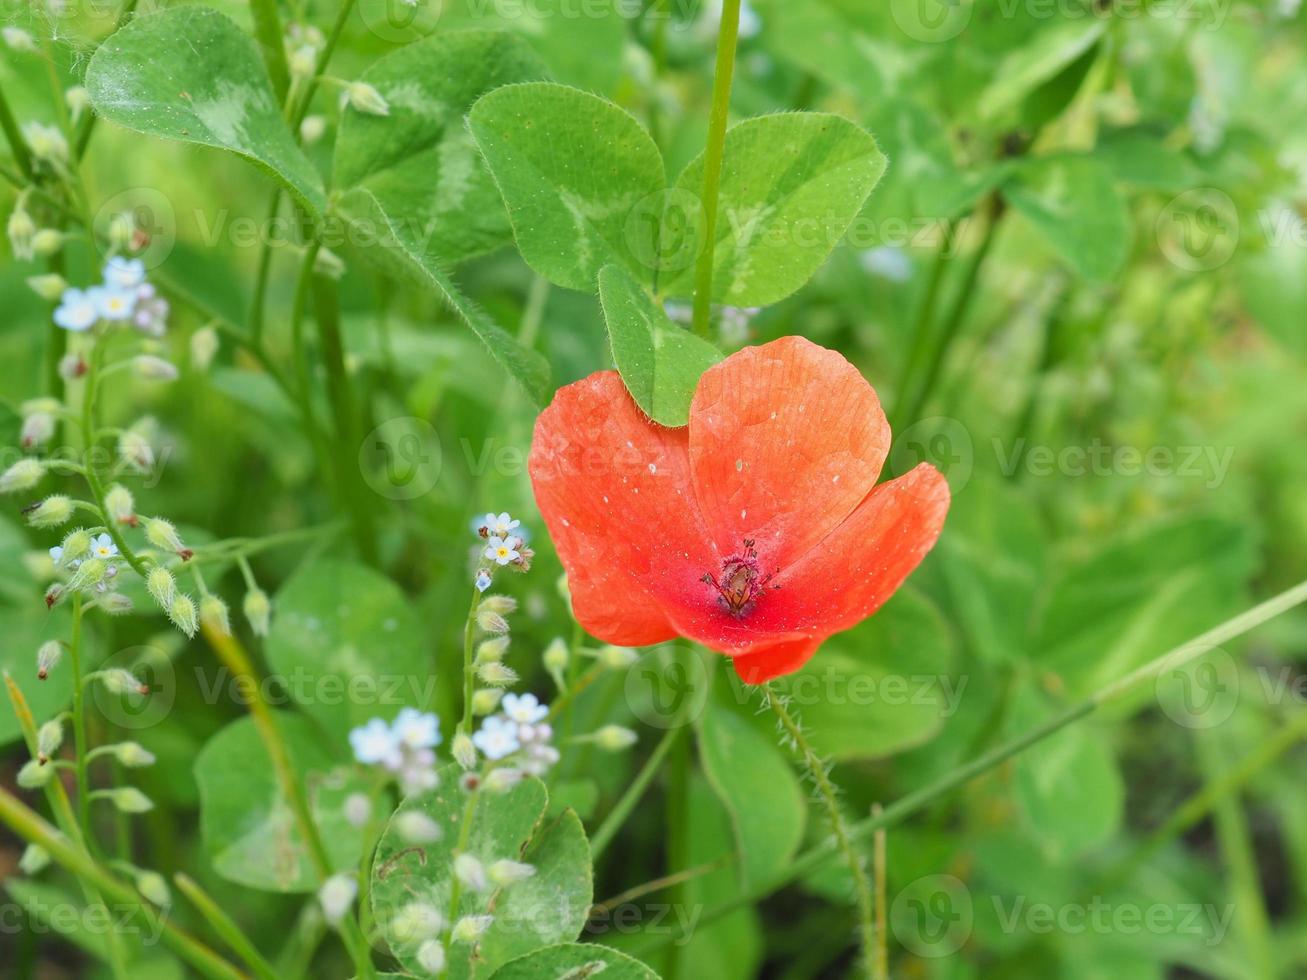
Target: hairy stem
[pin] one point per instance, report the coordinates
(712, 160)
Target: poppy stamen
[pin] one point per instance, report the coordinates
(742, 581)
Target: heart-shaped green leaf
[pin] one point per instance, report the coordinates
(579, 175)
(190, 74)
(791, 185)
(575, 960)
(420, 162)
(247, 824)
(659, 361)
(396, 250)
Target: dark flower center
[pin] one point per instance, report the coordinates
(741, 581)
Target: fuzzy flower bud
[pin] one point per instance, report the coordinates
(415, 922)
(485, 700)
(129, 799)
(556, 656)
(336, 896)
(21, 229)
(497, 674)
(505, 873)
(503, 779)
(74, 545)
(18, 39)
(416, 827)
(328, 264)
(151, 368)
(357, 809)
(463, 751)
(502, 605)
(35, 859)
(115, 603)
(258, 611)
(492, 651)
(135, 450)
(54, 510)
(303, 61)
(162, 534)
(48, 657)
(122, 229)
(48, 739)
(45, 243)
(213, 614)
(90, 572)
(617, 658)
(491, 622)
(471, 873)
(72, 367)
(182, 614)
(120, 505)
(162, 586)
(365, 98)
(34, 775)
(431, 956)
(119, 681)
(152, 885)
(312, 129)
(47, 143)
(133, 755)
(615, 738)
(78, 99)
(204, 347)
(23, 475)
(470, 928)
(49, 286)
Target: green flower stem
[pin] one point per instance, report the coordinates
(27, 824)
(469, 670)
(634, 792)
(817, 857)
(819, 771)
(678, 836)
(79, 722)
(880, 968)
(921, 332)
(267, 30)
(236, 660)
(712, 160)
(225, 926)
(17, 145)
(259, 300)
(333, 38)
(456, 886)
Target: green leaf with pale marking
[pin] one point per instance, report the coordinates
(348, 646)
(190, 74)
(1073, 203)
(247, 823)
(766, 806)
(550, 907)
(575, 961)
(581, 179)
(396, 250)
(659, 361)
(791, 185)
(420, 162)
(1048, 51)
(25, 629)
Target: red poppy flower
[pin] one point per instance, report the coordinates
(756, 530)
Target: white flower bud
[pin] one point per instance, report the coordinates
(135, 450)
(471, 873)
(71, 367)
(162, 586)
(312, 129)
(497, 674)
(129, 799)
(78, 99)
(45, 243)
(485, 700)
(21, 230)
(115, 603)
(556, 656)
(617, 658)
(415, 922)
(415, 827)
(182, 614)
(303, 61)
(503, 779)
(501, 605)
(152, 885)
(366, 99)
(357, 809)
(463, 751)
(204, 347)
(328, 264)
(162, 534)
(18, 39)
(504, 873)
(492, 651)
(336, 896)
(151, 368)
(615, 738)
(49, 286)
(122, 229)
(54, 510)
(258, 611)
(75, 545)
(470, 928)
(47, 143)
(213, 614)
(431, 956)
(23, 475)
(35, 859)
(90, 572)
(34, 775)
(120, 505)
(133, 755)
(48, 739)
(491, 622)
(119, 681)
(48, 657)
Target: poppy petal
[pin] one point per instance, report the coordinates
(786, 439)
(614, 490)
(761, 665)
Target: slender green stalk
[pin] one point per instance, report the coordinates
(28, 825)
(259, 300)
(333, 38)
(456, 887)
(921, 324)
(634, 792)
(712, 160)
(225, 926)
(817, 857)
(818, 770)
(469, 669)
(17, 145)
(267, 30)
(678, 831)
(80, 745)
(880, 969)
